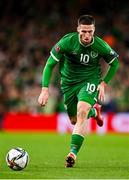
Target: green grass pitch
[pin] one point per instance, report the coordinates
(101, 157)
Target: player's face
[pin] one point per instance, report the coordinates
(86, 33)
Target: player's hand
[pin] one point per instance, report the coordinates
(43, 97)
(101, 89)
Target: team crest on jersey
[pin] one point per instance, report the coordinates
(93, 54)
(57, 48)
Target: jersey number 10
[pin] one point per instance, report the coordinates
(84, 58)
(90, 87)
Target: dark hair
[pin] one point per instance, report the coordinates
(86, 20)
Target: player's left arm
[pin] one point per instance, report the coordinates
(107, 78)
(111, 57)
(111, 70)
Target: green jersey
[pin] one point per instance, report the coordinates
(78, 62)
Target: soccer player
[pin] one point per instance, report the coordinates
(79, 54)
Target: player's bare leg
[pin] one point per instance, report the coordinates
(94, 112)
(79, 132)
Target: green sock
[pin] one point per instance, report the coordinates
(92, 113)
(76, 143)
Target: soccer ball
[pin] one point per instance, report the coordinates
(17, 159)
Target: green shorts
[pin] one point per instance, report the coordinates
(85, 92)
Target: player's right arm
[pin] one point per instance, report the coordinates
(46, 76)
(55, 56)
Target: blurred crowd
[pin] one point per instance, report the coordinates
(29, 29)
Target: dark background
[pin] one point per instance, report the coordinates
(29, 29)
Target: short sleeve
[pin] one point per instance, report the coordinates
(59, 49)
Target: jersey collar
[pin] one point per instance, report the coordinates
(87, 44)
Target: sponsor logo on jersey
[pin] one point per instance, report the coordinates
(57, 48)
(93, 54)
(74, 53)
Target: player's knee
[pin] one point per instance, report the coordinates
(73, 120)
(83, 109)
